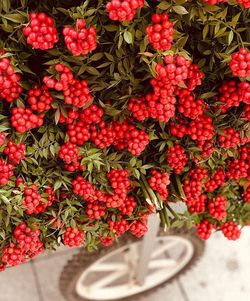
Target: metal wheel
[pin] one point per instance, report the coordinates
(112, 275)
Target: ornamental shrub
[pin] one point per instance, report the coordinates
(114, 110)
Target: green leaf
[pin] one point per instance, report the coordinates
(164, 5)
(230, 37)
(180, 10)
(128, 37)
(16, 18)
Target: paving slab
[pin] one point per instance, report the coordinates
(18, 284)
(222, 274)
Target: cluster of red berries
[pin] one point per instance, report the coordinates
(188, 106)
(101, 135)
(95, 210)
(82, 40)
(93, 114)
(123, 10)
(128, 136)
(23, 119)
(231, 230)
(41, 32)
(192, 189)
(179, 129)
(119, 226)
(73, 237)
(27, 245)
(6, 172)
(15, 152)
(229, 138)
(28, 240)
(39, 98)
(128, 205)
(160, 32)
(197, 205)
(201, 128)
(198, 173)
(177, 158)
(68, 117)
(9, 81)
(61, 81)
(204, 229)
(229, 95)
(217, 180)
(68, 152)
(246, 113)
(244, 3)
(120, 183)
(78, 133)
(217, 207)
(207, 148)
(84, 188)
(175, 71)
(139, 227)
(159, 182)
(32, 200)
(240, 63)
(237, 169)
(77, 94)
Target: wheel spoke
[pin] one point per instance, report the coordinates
(112, 277)
(162, 263)
(109, 267)
(165, 247)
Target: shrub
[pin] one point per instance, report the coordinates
(114, 110)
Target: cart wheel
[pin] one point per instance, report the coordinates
(108, 274)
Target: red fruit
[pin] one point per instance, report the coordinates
(158, 182)
(15, 152)
(39, 98)
(6, 172)
(41, 32)
(230, 230)
(139, 227)
(240, 63)
(204, 229)
(176, 158)
(160, 32)
(73, 237)
(217, 207)
(123, 10)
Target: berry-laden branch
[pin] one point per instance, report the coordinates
(115, 110)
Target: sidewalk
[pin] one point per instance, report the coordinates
(221, 275)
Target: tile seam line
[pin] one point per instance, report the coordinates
(182, 289)
(37, 282)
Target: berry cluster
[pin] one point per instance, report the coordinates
(229, 138)
(68, 152)
(160, 32)
(119, 226)
(80, 41)
(78, 133)
(15, 152)
(217, 207)
(9, 81)
(68, 117)
(217, 180)
(23, 119)
(101, 135)
(188, 106)
(246, 195)
(28, 240)
(138, 228)
(198, 204)
(39, 98)
(77, 94)
(204, 229)
(244, 3)
(41, 32)
(61, 81)
(128, 136)
(230, 230)
(6, 172)
(84, 188)
(95, 210)
(240, 63)
(177, 158)
(202, 128)
(32, 200)
(27, 245)
(192, 189)
(237, 169)
(73, 237)
(128, 205)
(123, 10)
(158, 182)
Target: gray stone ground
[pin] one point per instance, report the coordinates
(221, 275)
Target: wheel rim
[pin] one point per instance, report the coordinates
(112, 277)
